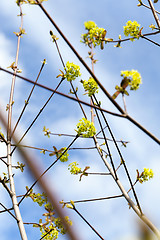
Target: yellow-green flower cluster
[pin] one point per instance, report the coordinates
(146, 175)
(39, 198)
(53, 225)
(134, 78)
(95, 35)
(64, 157)
(90, 86)
(132, 29)
(29, 1)
(89, 25)
(59, 225)
(73, 168)
(85, 128)
(72, 71)
(51, 230)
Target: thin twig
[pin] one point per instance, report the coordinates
(63, 94)
(151, 41)
(63, 64)
(6, 187)
(124, 103)
(119, 166)
(37, 116)
(142, 4)
(93, 75)
(95, 107)
(36, 148)
(108, 149)
(51, 193)
(154, 13)
(87, 223)
(3, 139)
(9, 158)
(80, 59)
(27, 101)
(78, 100)
(102, 174)
(128, 39)
(1, 158)
(121, 157)
(95, 199)
(47, 150)
(47, 169)
(8, 210)
(31, 223)
(92, 65)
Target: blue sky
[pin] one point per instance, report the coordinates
(112, 218)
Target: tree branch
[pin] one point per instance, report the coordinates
(9, 159)
(154, 13)
(8, 210)
(27, 101)
(63, 94)
(51, 194)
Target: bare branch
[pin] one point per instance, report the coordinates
(63, 94)
(142, 4)
(5, 186)
(27, 101)
(95, 199)
(9, 159)
(154, 13)
(8, 210)
(35, 169)
(39, 178)
(75, 209)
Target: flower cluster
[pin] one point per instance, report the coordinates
(59, 225)
(52, 225)
(145, 175)
(89, 25)
(29, 1)
(73, 168)
(40, 198)
(51, 230)
(132, 29)
(95, 35)
(72, 71)
(64, 157)
(85, 128)
(134, 78)
(90, 86)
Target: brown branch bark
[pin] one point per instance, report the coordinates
(154, 13)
